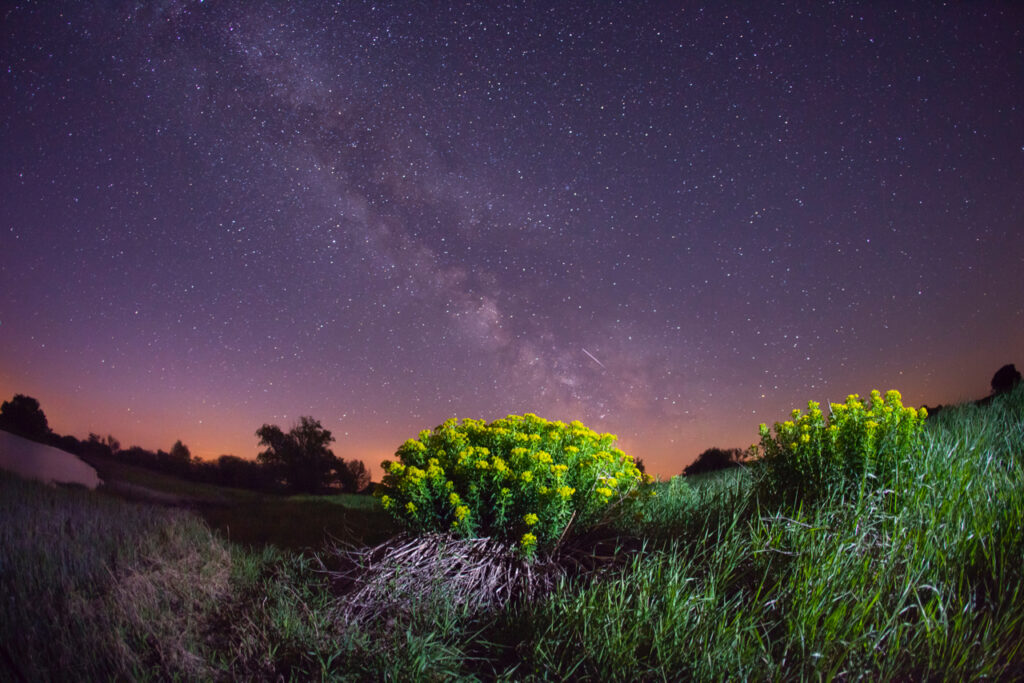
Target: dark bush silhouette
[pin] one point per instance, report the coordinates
(23, 416)
(714, 459)
(66, 443)
(1005, 379)
(231, 470)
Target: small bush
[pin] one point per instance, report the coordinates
(521, 478)
(856, 445)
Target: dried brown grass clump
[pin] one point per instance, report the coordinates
(165, 602)
(472, 574)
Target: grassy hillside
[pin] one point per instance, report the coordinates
(921, 578)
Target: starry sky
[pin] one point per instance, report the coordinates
(672, 221)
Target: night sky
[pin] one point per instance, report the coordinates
(671, 224)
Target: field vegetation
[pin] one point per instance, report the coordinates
(903, 561)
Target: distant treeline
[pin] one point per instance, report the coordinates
(299, 461)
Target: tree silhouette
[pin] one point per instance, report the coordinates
(180, 453)
(714, 459)
(23, 416)
(1005, 379)
(354, 476)
(300, 459)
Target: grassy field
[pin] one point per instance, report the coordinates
(254, 519)
(921, 579)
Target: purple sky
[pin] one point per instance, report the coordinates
(671, 224)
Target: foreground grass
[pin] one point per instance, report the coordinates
(920, 580)
(95, 587)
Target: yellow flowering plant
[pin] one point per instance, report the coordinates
(524, 479)
(859, 443)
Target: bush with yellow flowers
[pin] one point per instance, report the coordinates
(522, 479)
(857, 447)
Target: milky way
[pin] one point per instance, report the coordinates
(671, 224)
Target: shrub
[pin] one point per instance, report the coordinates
(857, 445)
(521, 479)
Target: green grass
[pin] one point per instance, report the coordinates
(921, 579)
(88, 581)
(250, 518)
(301, 522)
(115, 472)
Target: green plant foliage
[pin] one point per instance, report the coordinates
(521, 478)
(858, 446)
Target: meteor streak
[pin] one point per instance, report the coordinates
(592, 358)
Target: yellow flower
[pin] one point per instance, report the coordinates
(542, 456)
(410, 508)
(922, 413)
(461, 512)
(571, 449)
(806, 438)
(482, 464)
(527, 476)
(566, 491)
(528, 541)
(530, 519)
(604, 491)
(386, 501)
(454, 499)
(559, 470)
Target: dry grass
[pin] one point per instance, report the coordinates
(166, 600)
(472, 574)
